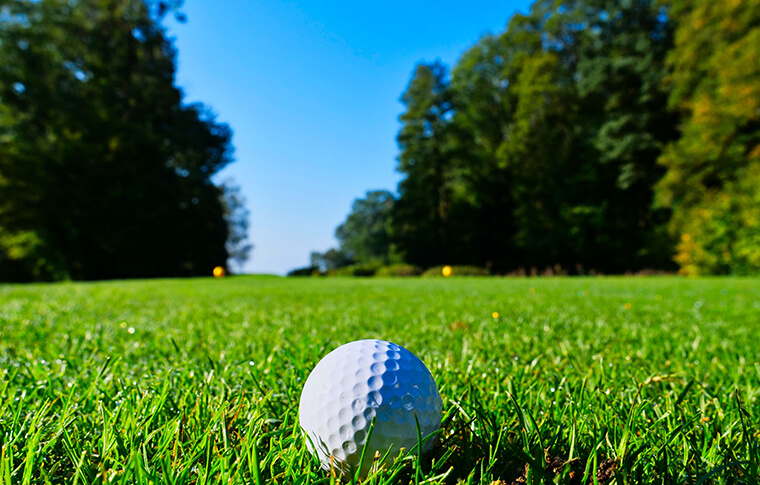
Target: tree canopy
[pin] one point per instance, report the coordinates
(365, 237)
(541, 149)
(591, 135)
(712, 181)
(104, 172)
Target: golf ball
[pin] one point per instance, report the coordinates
(360, 381)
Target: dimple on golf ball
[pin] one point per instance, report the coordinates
(360, 381)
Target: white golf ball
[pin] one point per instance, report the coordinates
(360, 381)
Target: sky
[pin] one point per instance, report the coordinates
(312, 92)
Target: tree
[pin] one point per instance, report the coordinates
(589, 122)
(421, 213)
(103, 171)
(236, 215)
(621, 68)
(712, 182)
(331, 259)
(484, 205)
(365, 235)
(542, 148)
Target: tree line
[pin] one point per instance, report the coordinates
(104, 171)
(591, 135)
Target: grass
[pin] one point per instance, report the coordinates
(607, 380)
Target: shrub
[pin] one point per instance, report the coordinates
(394, 270)
(307, 271)
(436, 271)
(355, 270)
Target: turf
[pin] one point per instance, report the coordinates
(608, 380)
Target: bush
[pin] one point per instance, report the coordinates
(307, 271)
(437, 271)
(355, 270)
(394, 270)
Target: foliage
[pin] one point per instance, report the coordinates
(713, 170)
(421, 216)
(104, 172)
(331, 259)
(437, 271)
(366, 233)
(399, 269)
(541, 149)
(356, 270)
(722, 234)
(364, 238)
(236, 216)
(198, 381)
(545, 145)
(305, 271)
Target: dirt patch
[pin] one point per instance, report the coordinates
(571, 472)
(606, 470)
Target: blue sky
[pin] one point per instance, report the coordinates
(311, 90)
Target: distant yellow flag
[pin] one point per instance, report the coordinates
(446, 271)
(219, 272)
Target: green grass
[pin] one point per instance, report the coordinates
(197, 381)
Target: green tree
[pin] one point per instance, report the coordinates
(590, 120)
(623, 101)
(421, 214)
(366, 234)
(482, 213)
(331, 259)
(543, 147)
(712, 182)
(103, 171)
(236, 215)
(544, 155)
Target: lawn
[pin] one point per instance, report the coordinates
(543, 380)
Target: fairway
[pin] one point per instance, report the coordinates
(543, 380)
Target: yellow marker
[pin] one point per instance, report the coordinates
(219, 272)
(446, 271)
(495, 314)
